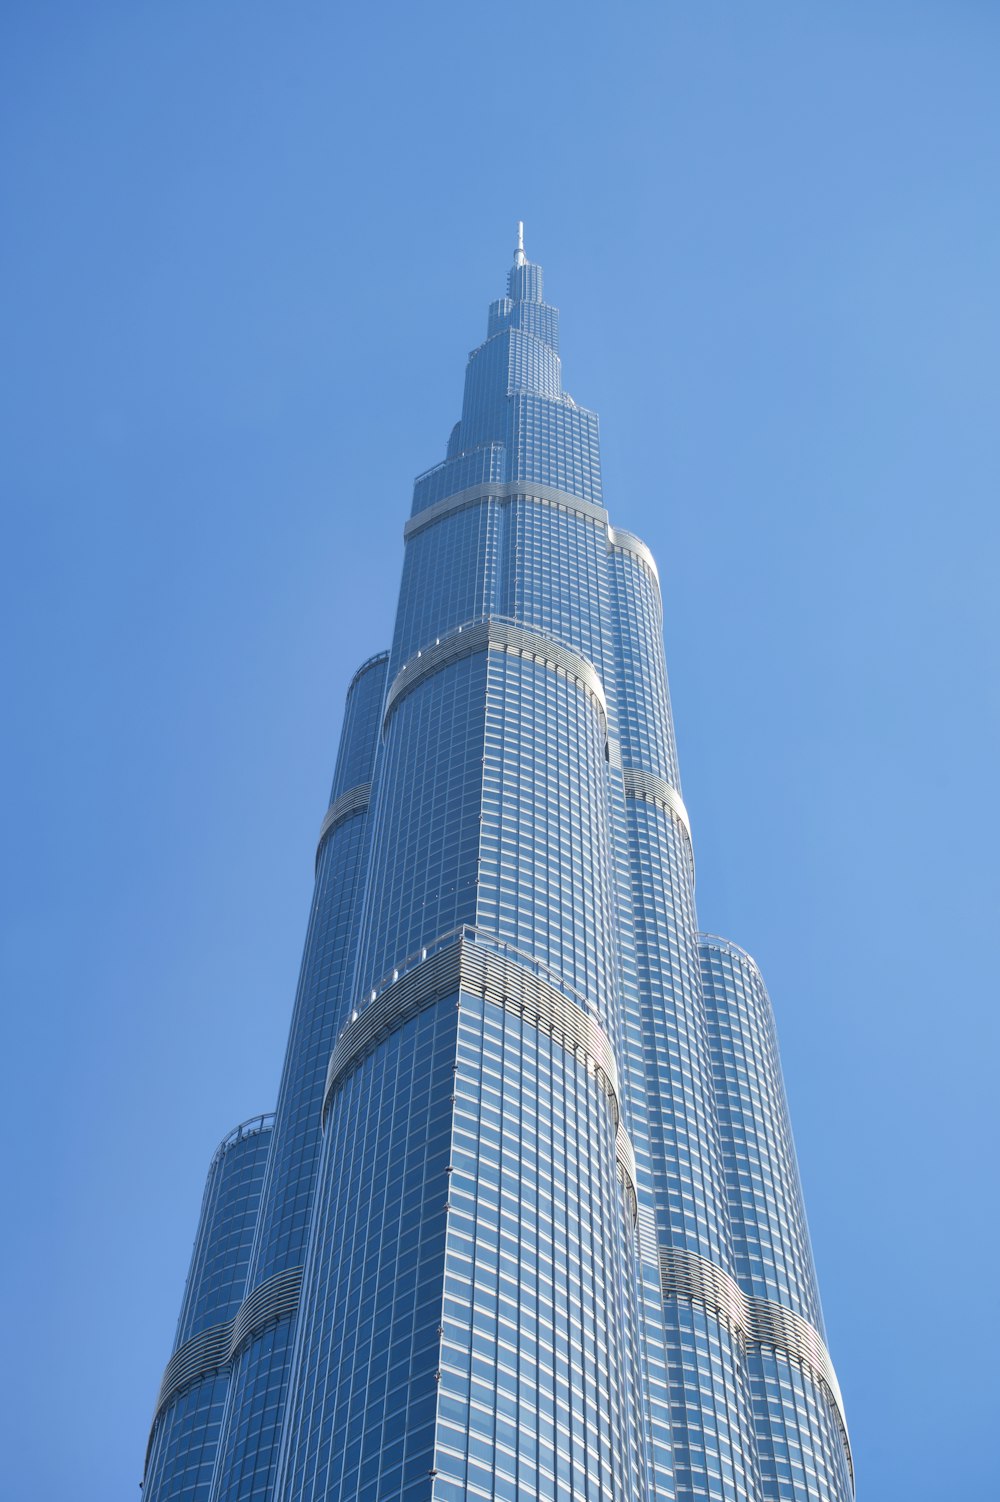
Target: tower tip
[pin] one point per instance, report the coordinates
(519, 256)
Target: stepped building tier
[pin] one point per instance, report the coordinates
(526, 1223)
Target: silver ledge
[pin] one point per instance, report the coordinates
(627, 542)
(685, 1274)
(214, 1349)
(466, 965)
(649, 788)
(496, 636)
(510, 491)
(354, 801)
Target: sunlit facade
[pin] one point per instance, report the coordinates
(527, 1223)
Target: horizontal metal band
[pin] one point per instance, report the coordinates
(354, 801)
(203, 1353)
(627, 542)
(275, 1299)
(213, 1349)
(468, 965)
(496, 636)
(651, 789)
(757, 1321)
(521, 490)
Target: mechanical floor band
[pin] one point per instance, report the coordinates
(496, 636)
(470, 966)
(759, 1321)
(354, 801)
(277, 1298)
(520, 490)
(649, 788)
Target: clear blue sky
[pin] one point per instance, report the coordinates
(246, 249)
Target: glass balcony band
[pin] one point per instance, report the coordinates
(727, 946)
(465, 964)
(514, 490)
(496, 636)
(354, 801)
(262, 1122)
(215, 1348)
(758, 1321)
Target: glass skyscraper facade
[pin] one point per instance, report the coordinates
(526, 1223)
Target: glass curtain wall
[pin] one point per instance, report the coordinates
(531, 1225)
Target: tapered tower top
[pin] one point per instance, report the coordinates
(524, 280)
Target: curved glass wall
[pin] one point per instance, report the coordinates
(798, 1413)
(531, 1226)
(251, 1424)
(182, 1446)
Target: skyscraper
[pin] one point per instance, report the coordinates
(527, 1220)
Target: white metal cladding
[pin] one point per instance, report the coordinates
(648, 1244)
(354, 801)
(652, 789)
(276, 1298)
(466, 965)
(522, 490)
(758, 1321)
(625, 1159)
(627, 542)
(203, 1353)
(497, 636)
(214, 1348)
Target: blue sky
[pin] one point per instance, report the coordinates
(246, 250)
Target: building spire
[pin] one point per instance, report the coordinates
(519, 256)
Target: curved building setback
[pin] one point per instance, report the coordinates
(253, 1414)
(182, 1444)
(801, 1425)
(529, 1225)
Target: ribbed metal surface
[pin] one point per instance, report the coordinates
(276, 1298)
(496, 636)
(758, 1321)
(354, 801)
(515, 490)
(627, 542)
(652, 789)
(466, 965)
(215, 1348)
(201, 1354)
